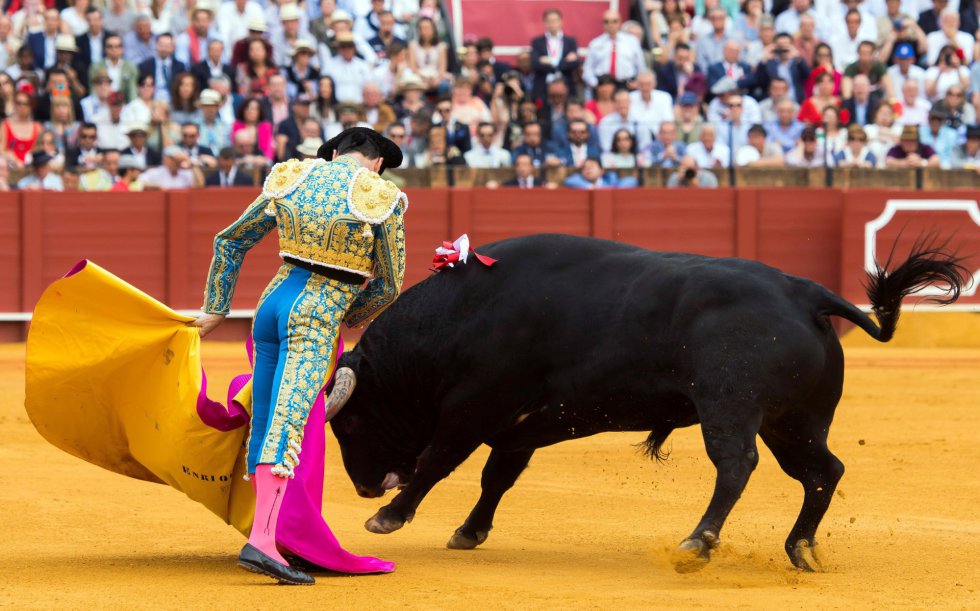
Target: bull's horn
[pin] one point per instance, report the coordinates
(343, 385)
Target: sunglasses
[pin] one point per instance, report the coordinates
(739, 105)
(610, 21)
(444, 109)
(858, 139)
(86, 136)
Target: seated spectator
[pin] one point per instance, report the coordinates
(778, 91)
(622, 118)
(163, 66)
(250, 118)
(199, 155)
(227, 174)
(601, 103)
(95, 106)
(70, 180)
(308, 148)
(710, 45)
(940, 137)
(578, 145)
(112, 130)
(592, 177)
(784, 62)
(138, 42)
(707, 152)
(688, 174)
(788, 21)
(726, 90)
(457, 133)
(439, 153)
(903, 31)
(393, 69)
(466, 108)
(163, 130)
(966, 156)
(870, 68)
(525, 175)
(213, 65)
(139, 109)
(666, 151)
(102, 177)
(861, 106)
(905, 69)
(805, 41)
(86, 153)
(41, 178)
(191, 45)
(19, 132)
(914, 108)
(256, 29)
(252, 74)
(673, 74)
(949, 37)
(183, 99)
(856, 154)
(130, 169)
(388, 32)
(929, 18)
(428, 57)
(177, 172)
(884, 133)
(397, 133)
(812, 109)
(845, 42)
(288, 135)
(623, 155)
(758, 152)
(733, 130)
(417, 138)
(756, 51)
(62, 123)
(532, 144)
(834, 130)
(650, 107)
(485, 154)
(947, 70)
(139, 148)
(958, 112)
(730, 66)
(689, 121)
(910, 152)
(823, 58)
(411, 88)
(808, 153)
(47, 143)
(4, 177)
(214, 133)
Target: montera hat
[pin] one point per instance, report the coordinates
(390, 152)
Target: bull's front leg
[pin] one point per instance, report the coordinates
(499, 475)
(436, 463)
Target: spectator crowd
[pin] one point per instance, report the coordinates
(154, 94)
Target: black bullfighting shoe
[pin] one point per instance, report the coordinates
(254, 560)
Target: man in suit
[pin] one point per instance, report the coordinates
(212, 65)
(524, 175)
(191, 46)
(91, 45)
(138, 148)
(43, 43)
(457, 134)
(163, 67)
(786, 60)
(228, 174)
(592, 177)
(673, 75)
(731, 66)
(485, 154)
(86, 154)
(553, 55)
(863, 103)
(124, 75)
(199, 155)
(579, 147)
(484, 49)
(541, 152)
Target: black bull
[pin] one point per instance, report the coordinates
(568, 337)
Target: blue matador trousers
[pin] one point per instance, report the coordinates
(295, 332)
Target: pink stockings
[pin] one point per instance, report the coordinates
(269, 492)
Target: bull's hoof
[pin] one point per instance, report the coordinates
(694, 553)
(459, 540)
(804, 557)
(381, 524)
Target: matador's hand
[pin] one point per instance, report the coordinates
(208, 322)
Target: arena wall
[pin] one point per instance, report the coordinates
(161, 241)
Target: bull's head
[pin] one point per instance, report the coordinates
(374, 458)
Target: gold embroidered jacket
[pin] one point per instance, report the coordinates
(335, 214)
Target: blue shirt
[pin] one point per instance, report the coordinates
(784, 137)
(943, 142)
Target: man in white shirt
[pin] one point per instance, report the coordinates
(285, 37)
(191, 47)
(949, 34)
(709, 48)
(177, 172)
(348, 71)
(613, 52)
(485, 154)
(789, 20)
(649, 106)
(836, 20)
(915, 108)
(904, 69)
(233, 18)
(622, 118)
(112, 131)
(95, 106)
(707, 152)
(845, 43)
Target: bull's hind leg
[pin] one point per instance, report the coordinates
(729, 433)
(501, 471)
(800, 446)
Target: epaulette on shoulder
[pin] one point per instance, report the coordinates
(372, 199)
(285, 177)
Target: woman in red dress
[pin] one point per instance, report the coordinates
(823, 61)
(811, 111)
(19, 132)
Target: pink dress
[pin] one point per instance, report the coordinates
(263, 137)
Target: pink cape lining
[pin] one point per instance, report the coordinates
(302, 529)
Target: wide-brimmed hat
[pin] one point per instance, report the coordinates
(138, 127)
(41, 158)
(348, 107)
(127, 162)
(288, 12)
(310, 147)
(257, 24)
(209, 97)
(344, 38)
(410, 80)
(65, 42)
(303, 44)
(340, 15)
(390, 152)
(910, 132)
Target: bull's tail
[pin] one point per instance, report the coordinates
(929, 263)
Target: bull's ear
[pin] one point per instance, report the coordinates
(344, 382)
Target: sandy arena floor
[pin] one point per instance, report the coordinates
(590, 524)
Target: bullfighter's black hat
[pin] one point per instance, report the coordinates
(355, 136)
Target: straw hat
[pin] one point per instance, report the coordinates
(257, 24)
(302, 44)
(209, 97)
(65, 42)
(340, 15)
(288, 12)
(410, 80)
(309, 147)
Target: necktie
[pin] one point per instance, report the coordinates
(224, 179)
(166, 73)
(731, 71)
(612, 59)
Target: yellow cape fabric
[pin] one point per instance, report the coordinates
(113, 378)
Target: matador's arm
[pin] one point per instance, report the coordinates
(389, 268)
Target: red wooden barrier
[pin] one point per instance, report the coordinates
(161, 241)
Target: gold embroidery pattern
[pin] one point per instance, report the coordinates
(313, 327)
(230, 246)
(389, 271)
(372, 198)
